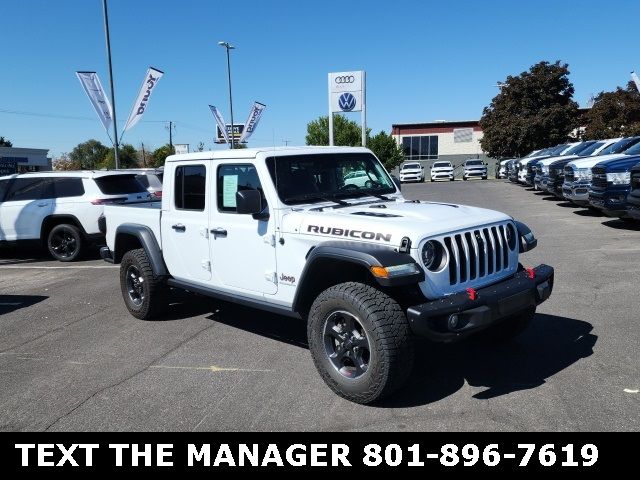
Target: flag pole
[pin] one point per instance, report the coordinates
(113, 95)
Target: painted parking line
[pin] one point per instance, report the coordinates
(212, 368)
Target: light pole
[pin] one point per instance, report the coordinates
(228, 47)
(113, 95)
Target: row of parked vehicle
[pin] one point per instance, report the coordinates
(443, 170)
(61, 209)
(600, 174)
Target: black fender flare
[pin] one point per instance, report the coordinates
(526, 239)
(360, 254)
(148, 242)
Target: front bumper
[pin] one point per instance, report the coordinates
(492, 305)
(633, 202)
(475, 173)
(576, 192)
(411, 177)
(612, 203)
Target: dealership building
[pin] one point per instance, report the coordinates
(454, 141)
(21, 160)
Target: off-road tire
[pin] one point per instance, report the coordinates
(511, 327)
(155, 299)
(73, 246)
(388, 333)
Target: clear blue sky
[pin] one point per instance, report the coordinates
(425, 60)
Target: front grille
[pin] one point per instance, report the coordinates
(635, 181)
(476, 254)
(554, 173)
(529, 168)
(568, 175)
(599, 178)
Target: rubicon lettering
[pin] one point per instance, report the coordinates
(342, 232)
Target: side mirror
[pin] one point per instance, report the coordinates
(248, 202)
(397, 181)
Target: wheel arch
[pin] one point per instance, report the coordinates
(131, 236)
(51, 221)
(331, 263)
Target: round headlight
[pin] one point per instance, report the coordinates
(433, 256)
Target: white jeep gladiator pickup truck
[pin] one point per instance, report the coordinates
(285, 230)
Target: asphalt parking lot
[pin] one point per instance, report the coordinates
(72, 358)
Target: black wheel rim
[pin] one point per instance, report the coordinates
(135, 285)
(63, 243)
(346, 344)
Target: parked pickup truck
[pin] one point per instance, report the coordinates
(577, 173)
(633, 200)
(282, 230)
(610, 185)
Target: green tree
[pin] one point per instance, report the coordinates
(127, 155)
(88, 155)
(386, 149)
(161, 154)
(63, 162)
(5, 143)
(345, 132)
(614, 114)
(533, 110)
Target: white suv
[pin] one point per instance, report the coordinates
(412, 172)
(61, 209)
(442, 171)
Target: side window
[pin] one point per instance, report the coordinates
(190, 187)
(231, 179)
(63, 187)
(3, 188)
(22, 189)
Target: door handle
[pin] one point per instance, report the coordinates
(43, 204)
(218, 232)
(178, 227)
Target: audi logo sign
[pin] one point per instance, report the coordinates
(344, 79)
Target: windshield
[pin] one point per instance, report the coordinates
(408, 166)
(634, 150)
(620, 146)
(577, 149)
(555, 151)
(590, 149)
(308, 178)
(441, 165)
(119, 184)
(471, 163)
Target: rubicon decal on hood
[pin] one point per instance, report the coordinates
(342, 232)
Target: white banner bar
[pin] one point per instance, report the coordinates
(140, 105)
(220, 121)
(93, 88)
(252, 122)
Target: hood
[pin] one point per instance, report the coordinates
(550, 160)
(387, 223)
(589, 162)
(561, 162)
(621, 164)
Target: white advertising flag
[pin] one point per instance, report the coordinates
(636, 80)
(220, 122)
(149, 84)
(252, 121)
(93, 88)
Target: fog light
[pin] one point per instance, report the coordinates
(453, 321)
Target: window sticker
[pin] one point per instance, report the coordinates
(229, 189)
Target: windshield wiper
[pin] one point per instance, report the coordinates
(315, 196)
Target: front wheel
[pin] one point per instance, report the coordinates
(464, 178)
(65, 242)
(360, 342)
(145, 295)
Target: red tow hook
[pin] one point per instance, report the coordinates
(472, 293)
(531, 272)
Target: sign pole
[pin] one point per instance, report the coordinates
(113, 95)
(364, 109)
(330, 115)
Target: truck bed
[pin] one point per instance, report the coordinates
(144, 213)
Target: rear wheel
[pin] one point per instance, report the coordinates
(360, 342)
(65, 242)
(145, 295)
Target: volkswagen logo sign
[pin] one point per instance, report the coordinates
(347, 102)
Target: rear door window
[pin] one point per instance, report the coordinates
(63, 187)
(190, 187)
(22, 189)
(119, 184)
